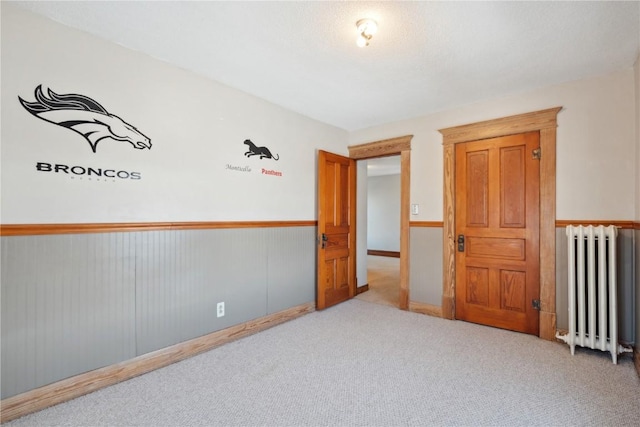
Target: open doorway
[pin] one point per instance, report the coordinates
(384, 148)
(379, 190)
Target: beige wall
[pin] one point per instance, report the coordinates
(596, 133)
(637, 117)
(597, 178)
(197, 128)
(637, 234)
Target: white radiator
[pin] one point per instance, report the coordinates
(593, 310)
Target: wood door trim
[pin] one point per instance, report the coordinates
(521, 123)
(544, 121)
(382, 148)
(390, 147)
(41, 229)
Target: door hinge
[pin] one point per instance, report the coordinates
(535, 304)
(536, 154)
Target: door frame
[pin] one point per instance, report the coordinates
(545, 122)
(391, 147)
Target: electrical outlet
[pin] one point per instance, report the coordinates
(414, 209)
(220, 312)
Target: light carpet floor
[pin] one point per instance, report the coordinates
(363, 364)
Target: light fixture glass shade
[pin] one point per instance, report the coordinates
(366, 29)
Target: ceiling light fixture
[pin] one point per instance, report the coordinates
(366, 29)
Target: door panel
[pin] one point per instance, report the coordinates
(512, 187)
(477, 189)
(492, 247)
(336, 280)
(497, 212)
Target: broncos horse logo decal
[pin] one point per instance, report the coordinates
(85, 116)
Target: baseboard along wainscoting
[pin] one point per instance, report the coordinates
(430, 310)
(392, 254)
(76, 386)
(361, 289)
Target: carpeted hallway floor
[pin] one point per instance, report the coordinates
(383, 278)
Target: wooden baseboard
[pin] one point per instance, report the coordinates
(391, 254)
(70, 388)
(361, 289)
(430, 310)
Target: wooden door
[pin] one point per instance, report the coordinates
(336, 280)
(497, 214)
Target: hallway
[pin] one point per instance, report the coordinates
(383, 278)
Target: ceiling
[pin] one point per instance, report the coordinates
(426, 57)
